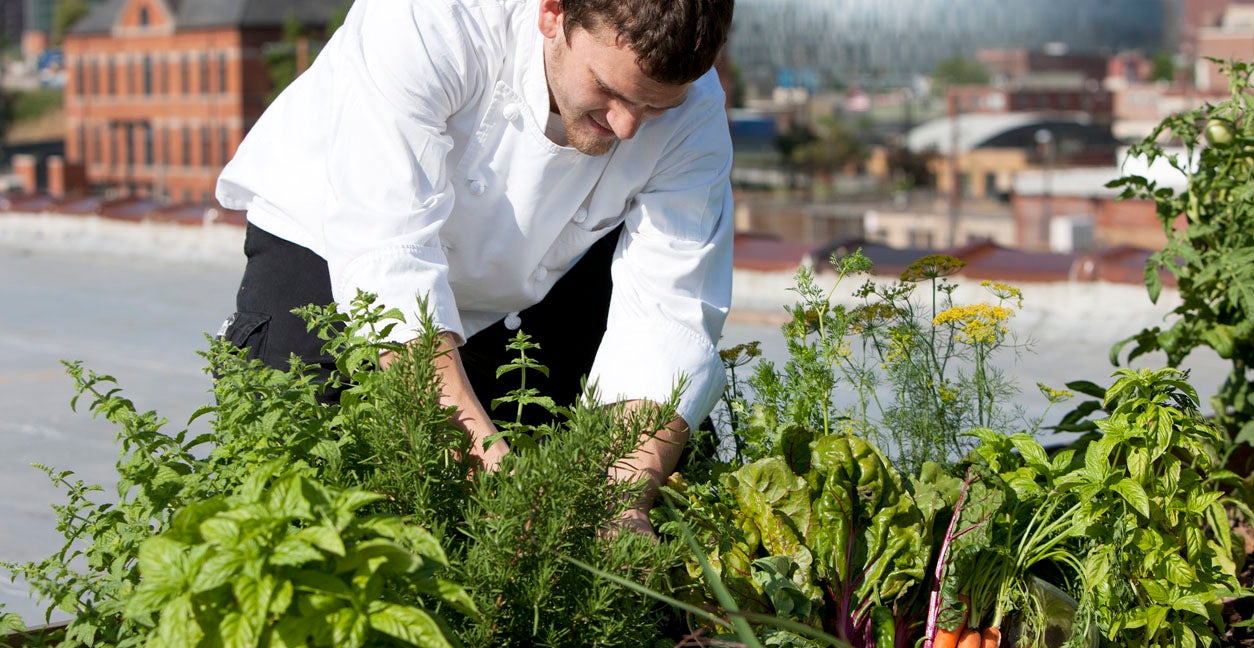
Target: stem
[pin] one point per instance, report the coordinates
(933, 603)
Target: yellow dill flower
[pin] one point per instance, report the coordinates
(932, 266)
(1004, 291)
(1054, 395)
(867, 317)
(976, 323)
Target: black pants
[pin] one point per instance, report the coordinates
(568, 325)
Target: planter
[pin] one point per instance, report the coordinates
(45, 635)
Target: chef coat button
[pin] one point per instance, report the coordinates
(513, 321)
(540, 274)
(477, 188)
(581, 215)
(511, 112)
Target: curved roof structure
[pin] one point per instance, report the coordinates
(1007, 130)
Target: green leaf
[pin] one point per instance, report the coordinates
(407, 623)
(163, 565)
(323, 537)
(1192, 604)
(349, 628)
(218, 570)
(178, 627)
(1134, 494)
(1032, 452)
(294, 551)
(1155, 615)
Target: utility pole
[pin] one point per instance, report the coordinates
(955, 188)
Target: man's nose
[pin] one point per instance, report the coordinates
(624, 120)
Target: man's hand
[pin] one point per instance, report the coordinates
(469, 414)
(654, 461)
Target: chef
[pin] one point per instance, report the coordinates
(559, 165)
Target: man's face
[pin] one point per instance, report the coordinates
(596, 85)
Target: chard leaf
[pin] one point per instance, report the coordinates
(778, 503)
(869, 535)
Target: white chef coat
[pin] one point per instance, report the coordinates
(412, 157)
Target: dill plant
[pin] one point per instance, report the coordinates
(916, 367)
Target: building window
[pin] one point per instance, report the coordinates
(79, 78)
(205, 157)
(165, 147)
(204, 74)
(185, 64)
(163, 77)
(187, 146)
(147, 75)
(81, 153)
(148, 144)
(110, 78)
(222, 73)
(143, 16)
(129, 144)
(95, 77)
(224, 144)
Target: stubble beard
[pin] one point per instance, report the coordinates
(582, 138)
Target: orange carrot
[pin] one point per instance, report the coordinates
(970, 639)
(992, 638)
(948, 638)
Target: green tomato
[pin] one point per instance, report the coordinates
(1219, 133)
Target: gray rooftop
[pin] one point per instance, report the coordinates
(202, 14)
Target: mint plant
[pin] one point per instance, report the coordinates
(287, 561)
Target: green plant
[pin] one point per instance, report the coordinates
(919, 375)
(824, 533)
(1209, 227)
(262, 415)
(1126, 523)
(285, 560)
(507, 534)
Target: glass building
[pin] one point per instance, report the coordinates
(889, 42)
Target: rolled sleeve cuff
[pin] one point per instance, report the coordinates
(399, 276)
(646, 360)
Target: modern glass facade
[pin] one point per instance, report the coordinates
(888, 42)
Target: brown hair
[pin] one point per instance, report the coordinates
(675, 41)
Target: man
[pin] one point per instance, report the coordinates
(476, 152)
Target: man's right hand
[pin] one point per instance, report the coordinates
(469, 414)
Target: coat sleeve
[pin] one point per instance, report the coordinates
(672, 279)
(356, 150)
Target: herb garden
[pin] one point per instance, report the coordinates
(925, 514)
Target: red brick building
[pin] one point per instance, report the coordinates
(159, 93)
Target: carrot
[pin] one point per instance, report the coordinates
(948, 638)
(970, 639)
(991, 638)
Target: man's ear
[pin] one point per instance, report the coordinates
(551, 18)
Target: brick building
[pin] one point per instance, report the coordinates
(159, 93)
